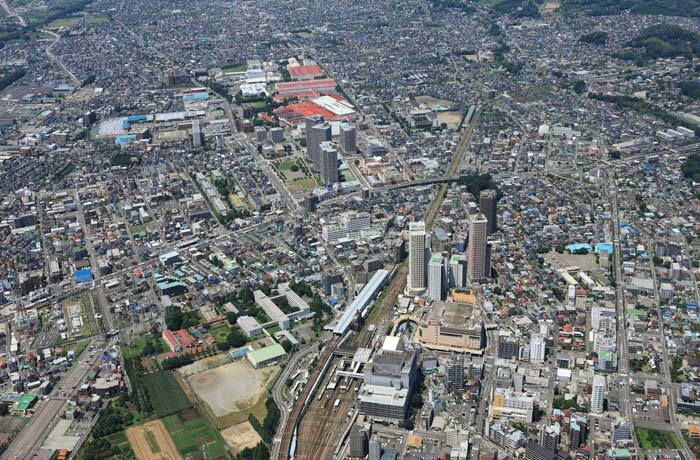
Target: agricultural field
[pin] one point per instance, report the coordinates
(151, 441)
(97, 19)
(64, 22)
(241, 436)
(192, 433)
(653, 439)
(165, 393)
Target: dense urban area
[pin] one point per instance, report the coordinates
(332, 229)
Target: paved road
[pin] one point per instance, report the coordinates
(28, 442)
(6, 8)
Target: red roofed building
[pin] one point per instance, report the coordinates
(295, 88)
(306, 72)
(179, 340)
(295, 114)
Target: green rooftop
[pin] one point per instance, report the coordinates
(267, 353)
(25, 402)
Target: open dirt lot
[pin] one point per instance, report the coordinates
(240, 437)
(232, 387)
(151, 441)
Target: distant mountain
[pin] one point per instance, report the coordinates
(662, 7)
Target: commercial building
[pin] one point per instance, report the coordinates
(450, 327)
(436, 277)
(454, 374)
(508, 347)
(598, 394)
(550, 436)
(478, 251)
(487, 206)
(416, 257)
(328, 162)
(388, 382)
(512, 405)
(305, 87)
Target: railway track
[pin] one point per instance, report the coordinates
(297, 410)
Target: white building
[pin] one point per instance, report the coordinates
(598, 394)
(478, 254)
(537, 348)
(416, 257)
(458, 272)
(436, 277)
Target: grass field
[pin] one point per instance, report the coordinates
(301, 185)
(135, 348)
(653, 439)
(220, 332)
(165, 393)
(97, 19)
(63, 22)
(234, 68)
(287, 165)
(192, 433)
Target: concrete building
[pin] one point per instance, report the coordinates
(317, 132)
(348, 139)
(454, 374)
(458, 271)
(436, 277)
(450, 327)
(272, 310)
(478, 252)
(537, 348)
(359, 441)
(328, 163)
(512, 405)
(487, 206)
(550, 436)
(416, 257)
(598, 394)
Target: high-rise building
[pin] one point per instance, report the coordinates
(359, 441)
(416, 257)
(436, 277)
(537, 348)
(348, 139)
(478, 254)
(508, 347)
(458, 271)
(328, 162)
(578, 431)
(598, 394)
(487, 206)
(454, 375)
(550, 436)
(315, 135)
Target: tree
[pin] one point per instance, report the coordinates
(579, 86)
(235, 339)
(173, 318)
(287, 345)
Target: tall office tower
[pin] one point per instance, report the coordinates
(487, 205)
(598, 394)
(550, 437)
(348, 139)
(436, 277)
(416, 257)
(454, 374)
(537, 348)
(315, 135)
(328, 162)
(458, 271)
(478, 263)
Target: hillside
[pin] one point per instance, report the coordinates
(606, 7)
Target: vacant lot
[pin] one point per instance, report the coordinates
(653, 439)
(224, 390)
(165, 393)
(192, 433)
(151, 441)
(241, 436)
(451, 119)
